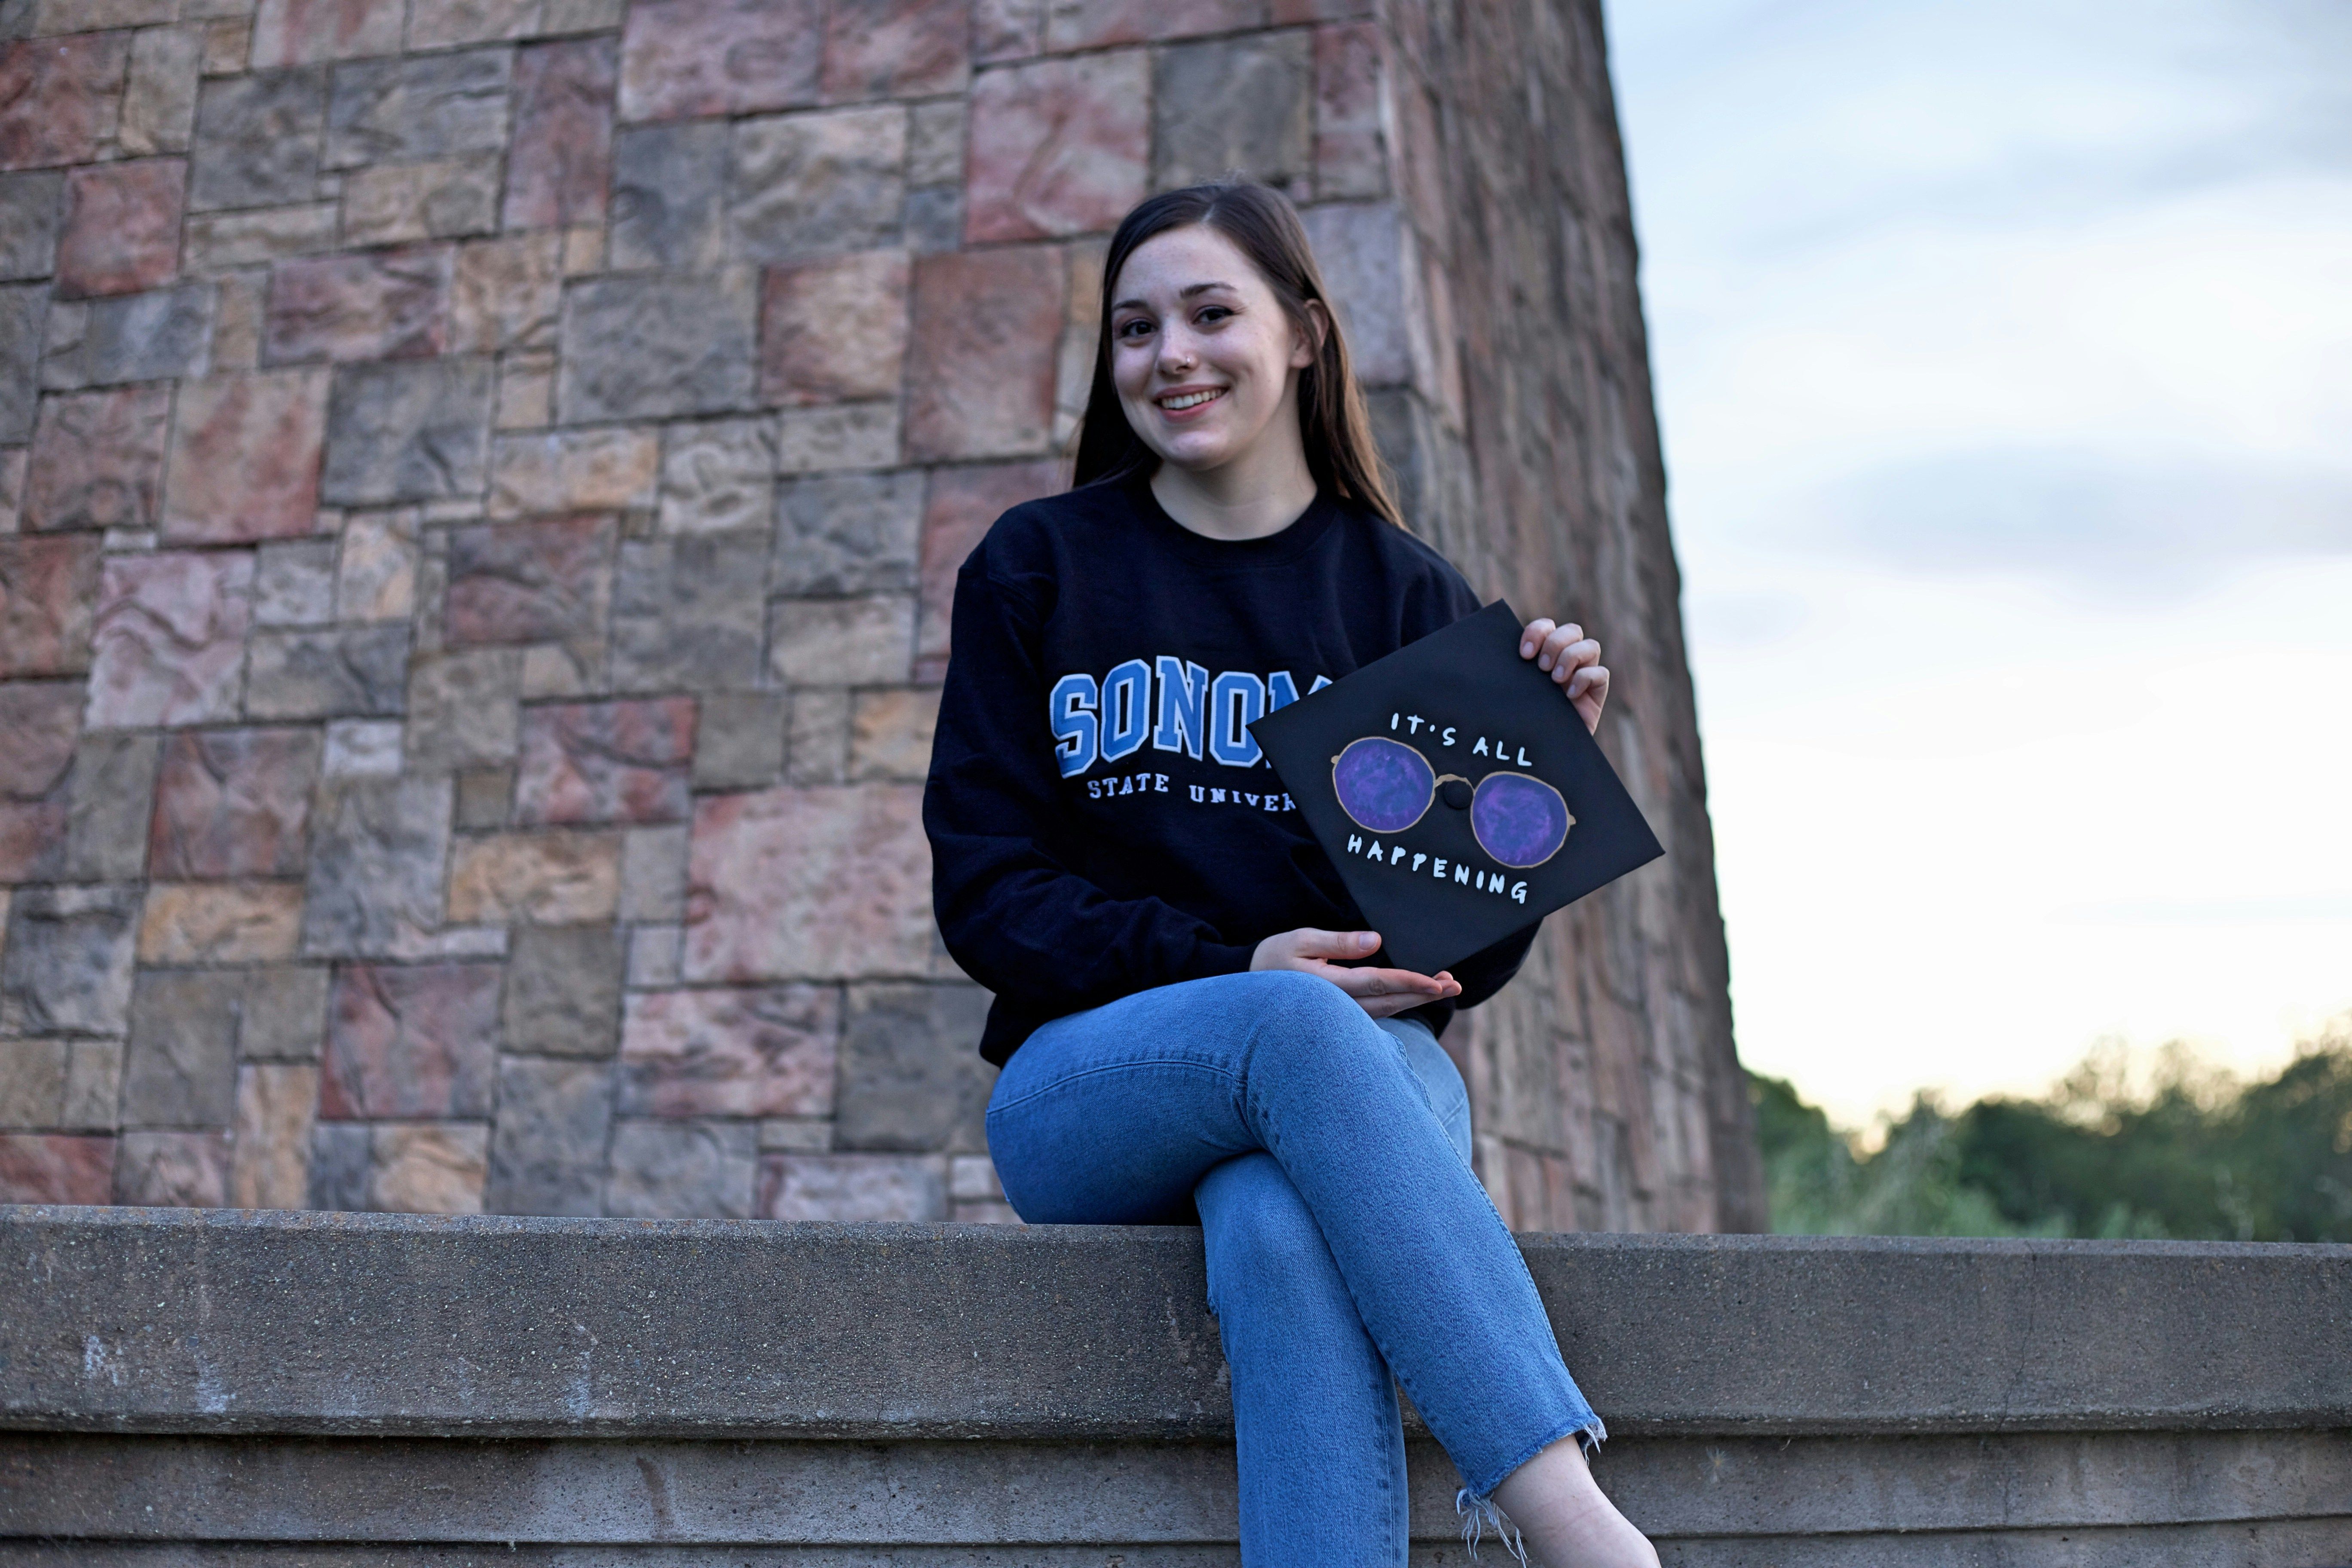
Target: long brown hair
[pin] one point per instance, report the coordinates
(1265, 228)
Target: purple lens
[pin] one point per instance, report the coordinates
(1382, 784)
(1520, 821)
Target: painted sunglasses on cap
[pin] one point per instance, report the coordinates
(1386, 786)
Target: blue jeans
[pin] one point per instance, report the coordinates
(1348, 1241)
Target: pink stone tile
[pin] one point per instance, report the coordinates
(232, 803)
(981, 377)
(560, 161)
(815, 883)
(744, 1051)
(963, 503)
(606, 762)
(834, 332)
(123, 227)
(55, 1168)
(1350, 156)
(683, 59)
(48, 587)
(530, 581)
(376, 305)
(97, 460)
(168, 643)
(414, 1041)
(303, 32)
(1100, 23)
(245, 457)
(55, 94)
(1058, 146)
(171, 1170)
(897, 48)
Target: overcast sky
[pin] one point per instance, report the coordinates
(2004, 358)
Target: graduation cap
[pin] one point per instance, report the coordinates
(1456, 791)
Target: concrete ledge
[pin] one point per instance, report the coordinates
(202, 1322)
(232, 1390)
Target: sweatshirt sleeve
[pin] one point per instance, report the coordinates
(1012, 913)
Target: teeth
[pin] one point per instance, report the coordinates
(1190, 400)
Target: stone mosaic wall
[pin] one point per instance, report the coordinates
(480, 485)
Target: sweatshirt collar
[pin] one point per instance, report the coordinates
(1277, 549)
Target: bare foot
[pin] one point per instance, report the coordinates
(1568, 1521)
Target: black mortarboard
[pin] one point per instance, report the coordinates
(1456, 791)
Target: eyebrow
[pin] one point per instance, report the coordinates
(1185, 293)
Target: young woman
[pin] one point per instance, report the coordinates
(1176, 1013)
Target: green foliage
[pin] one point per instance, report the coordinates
(2194, 1154)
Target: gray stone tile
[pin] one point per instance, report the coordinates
(339, 1165)
(464, 708)
(825, 183)
(687, 613)
(683, 1170)
(294, 584)
(112, 796)
(1244, 104)
(739, 741)
(180, 1066)
(647, 346)
(717, 475)
(159, 335)
(23, 313)
(669, 197)
(912, 1077)
(934, 219)
(848, 533)
(285, 1013)
(653, 873)
(547, 1150)
(418, 430)
(29, 214)
(66, 967)
(408, 110)
(33, 1083)
(349, 671)
(258, 140)
(564, 991)
(377, 854)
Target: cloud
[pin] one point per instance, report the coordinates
(2099, 523)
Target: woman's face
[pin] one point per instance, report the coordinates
(1204, 359)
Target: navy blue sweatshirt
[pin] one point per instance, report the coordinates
(1101, 820)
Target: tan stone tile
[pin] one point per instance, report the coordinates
(549, 879)
(270, 1156)
(429, 1169)
(220, 922)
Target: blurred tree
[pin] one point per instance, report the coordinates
(2196, 1154)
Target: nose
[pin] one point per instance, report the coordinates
(1178, 354)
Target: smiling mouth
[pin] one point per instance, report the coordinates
(1182, 401)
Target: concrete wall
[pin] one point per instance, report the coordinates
(480, 485)
(207, 1388)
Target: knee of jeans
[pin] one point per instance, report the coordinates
(1306, 1017)
(1262, 1238)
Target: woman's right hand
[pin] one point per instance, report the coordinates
(1382, 993)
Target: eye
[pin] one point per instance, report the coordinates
(1133, 327)
(1212, 314)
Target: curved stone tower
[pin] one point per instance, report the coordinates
(479, 481)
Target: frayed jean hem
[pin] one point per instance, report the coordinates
(1477, 1507)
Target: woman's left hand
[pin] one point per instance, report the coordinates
(1573, 661)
